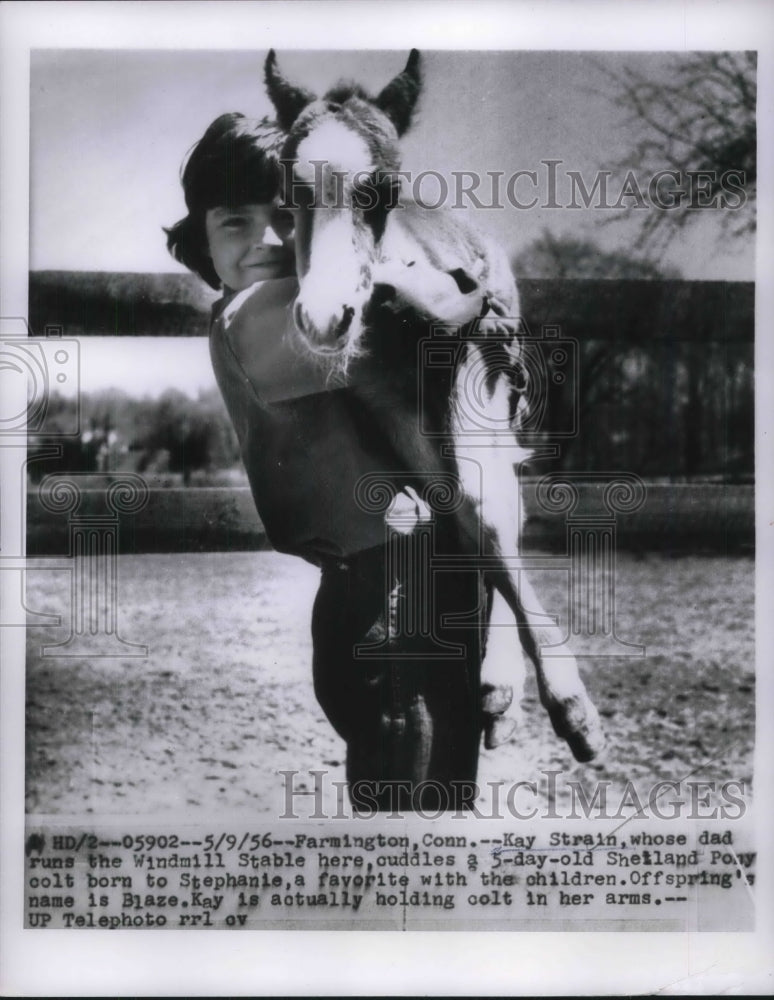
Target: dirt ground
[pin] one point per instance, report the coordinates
(223, 701)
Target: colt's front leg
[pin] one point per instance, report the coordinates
(503, 674)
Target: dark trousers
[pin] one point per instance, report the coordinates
(400, 684)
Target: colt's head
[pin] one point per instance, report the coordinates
(340, 163)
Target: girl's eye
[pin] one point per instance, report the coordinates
(282, 221)
(233, 222)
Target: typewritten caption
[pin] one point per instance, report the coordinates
(380, 875)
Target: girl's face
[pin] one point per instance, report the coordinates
(249, 243)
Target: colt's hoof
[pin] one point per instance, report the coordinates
(498, 729)
(496, 698)
(576, 720)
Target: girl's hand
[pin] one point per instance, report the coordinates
(448, 296)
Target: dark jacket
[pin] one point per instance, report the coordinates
(305, 441)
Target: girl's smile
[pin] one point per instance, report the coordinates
(249, 243)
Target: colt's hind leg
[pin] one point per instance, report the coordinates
(562, 692)
(572, 713)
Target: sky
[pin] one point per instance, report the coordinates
(143, 366)
(109, 129)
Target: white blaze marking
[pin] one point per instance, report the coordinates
(333, 280)
(304, 173)
(332, 283)
(338, 146)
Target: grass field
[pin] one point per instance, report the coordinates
(224, 699)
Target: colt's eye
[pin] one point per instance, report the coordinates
(389, 191)
(378, 194)
(365, 198)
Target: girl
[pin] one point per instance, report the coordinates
(306, 442)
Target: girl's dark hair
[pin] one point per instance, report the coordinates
(236, 162)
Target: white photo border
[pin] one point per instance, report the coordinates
(267, 962)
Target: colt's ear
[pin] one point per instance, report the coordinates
(399, 97)
(289, 101)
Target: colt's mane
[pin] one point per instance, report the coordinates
(341, 92)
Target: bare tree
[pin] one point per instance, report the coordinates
(697, 122)
(552, 256)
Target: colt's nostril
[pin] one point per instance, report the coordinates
(346, 321)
